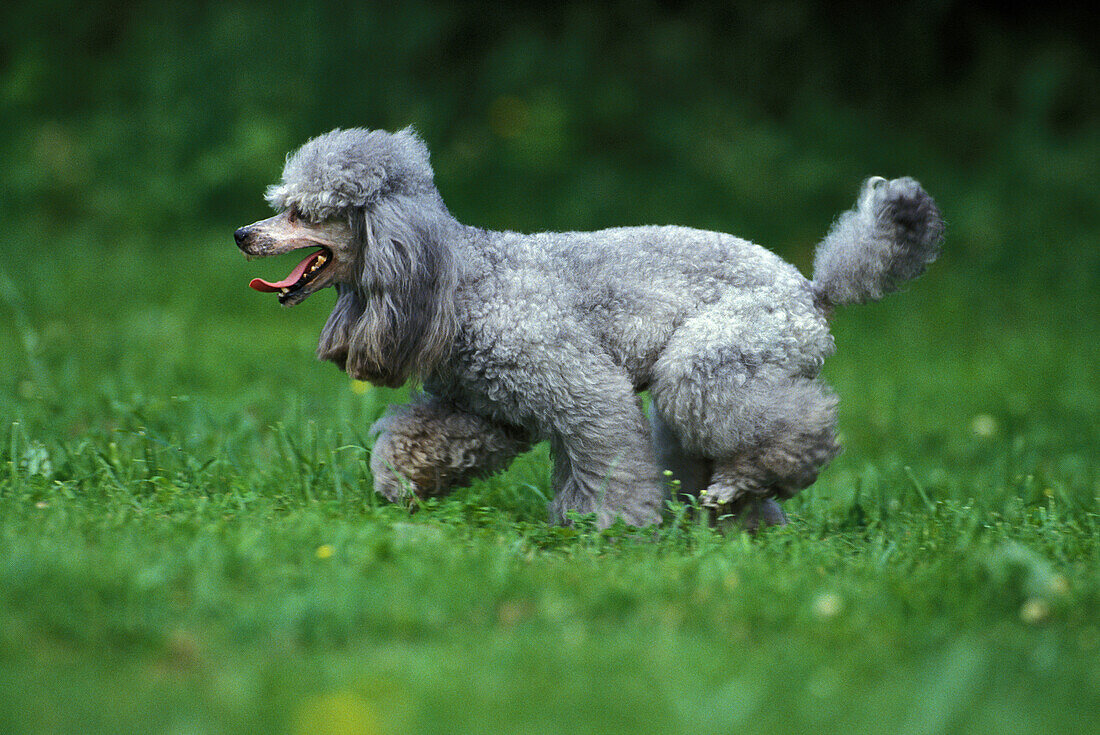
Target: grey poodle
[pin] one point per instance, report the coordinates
(522, 338)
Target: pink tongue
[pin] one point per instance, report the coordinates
(260, 284)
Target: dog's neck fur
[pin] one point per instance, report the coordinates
(397, 322)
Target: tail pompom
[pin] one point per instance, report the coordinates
(891, 236)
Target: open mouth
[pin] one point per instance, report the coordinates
(305, 272)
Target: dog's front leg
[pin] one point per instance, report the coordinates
(429, 448)
(603, 463)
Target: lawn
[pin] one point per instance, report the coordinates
(188, 542)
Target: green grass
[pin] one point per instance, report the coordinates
(188, 542)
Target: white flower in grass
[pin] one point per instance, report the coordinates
(983, 425)
(828, 605)
(1034, 611)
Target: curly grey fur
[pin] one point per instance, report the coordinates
(426, 448)
(520, 338)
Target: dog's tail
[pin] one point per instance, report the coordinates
(892, 234)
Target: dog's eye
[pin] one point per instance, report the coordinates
(292, 215)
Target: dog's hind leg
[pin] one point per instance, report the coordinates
(738, 387)
(692, 472)
(428, 448)
(787, 429)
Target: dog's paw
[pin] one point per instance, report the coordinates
(749, 514)
(388, 482)
(728, 488)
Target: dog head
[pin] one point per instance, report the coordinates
(364, 203)
(330, 261)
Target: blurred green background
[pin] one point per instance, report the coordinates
(156, 120)
(136, 136)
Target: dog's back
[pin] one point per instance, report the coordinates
(626, 290)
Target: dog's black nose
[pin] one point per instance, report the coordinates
(240, 236)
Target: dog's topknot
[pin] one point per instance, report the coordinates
(352, 168)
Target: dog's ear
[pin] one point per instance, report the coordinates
(398, 321)
(333, 344)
